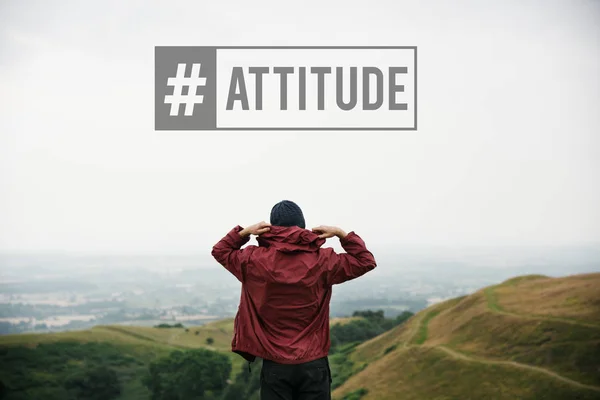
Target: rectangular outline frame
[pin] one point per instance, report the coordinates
(413, 128)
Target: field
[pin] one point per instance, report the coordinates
(139, 344)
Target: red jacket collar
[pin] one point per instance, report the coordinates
(290, 239)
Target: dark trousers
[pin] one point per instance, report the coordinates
(307, 381)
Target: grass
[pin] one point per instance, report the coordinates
(148, 342)
(421, 336)
(476, 346)
(492, 300)
(152, 342)
(341, 365)
(486, 333)
(390, 349)
(356, 395)
(372, 349)
(402, 335)
(343, 320)
(422, 331)
(520, 279)
(173, 337)
(418, 373)
(570, 299)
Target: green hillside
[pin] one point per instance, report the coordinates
(127, 349)
(37, 365)
(528, 338)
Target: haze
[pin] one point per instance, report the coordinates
(506, 152)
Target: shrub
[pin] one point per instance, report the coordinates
(188, 375)
(167, 326)
(356, 395)
(96, 383)
(390, 349)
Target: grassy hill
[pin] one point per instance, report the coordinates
(531, 337)
(127, 349)
(136, 345)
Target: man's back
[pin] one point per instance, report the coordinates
(283, 316)
(286, 289)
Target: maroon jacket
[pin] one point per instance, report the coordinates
(283, 314)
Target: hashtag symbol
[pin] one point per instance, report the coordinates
(178, 82)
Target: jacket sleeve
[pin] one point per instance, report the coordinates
(229, 253)
(355, 262)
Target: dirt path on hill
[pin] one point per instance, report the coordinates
(415, 328)
(413, 331)
(462, 356)
(548, 372)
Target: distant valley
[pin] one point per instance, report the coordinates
(529, 337)
(51, 293)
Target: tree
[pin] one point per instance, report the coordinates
(355, 331)
(188, 375)
(370, 324)
(167, 326)
(246, 384)
(210, 341)
(236, 391)
(94, 383)
(403, 317)
(375, 316)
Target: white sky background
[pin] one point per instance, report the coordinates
(507, 150)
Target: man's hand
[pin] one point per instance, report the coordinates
(256, 229)
(326, 232)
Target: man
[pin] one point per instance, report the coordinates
(283, 316)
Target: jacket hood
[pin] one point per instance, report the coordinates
(290, 239)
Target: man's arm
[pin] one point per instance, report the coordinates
(357, 260)
(229, 253)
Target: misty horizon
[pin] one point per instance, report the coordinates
(505, 152)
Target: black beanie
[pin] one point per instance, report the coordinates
(287, 213)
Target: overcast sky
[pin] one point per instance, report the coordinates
(507, 150)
